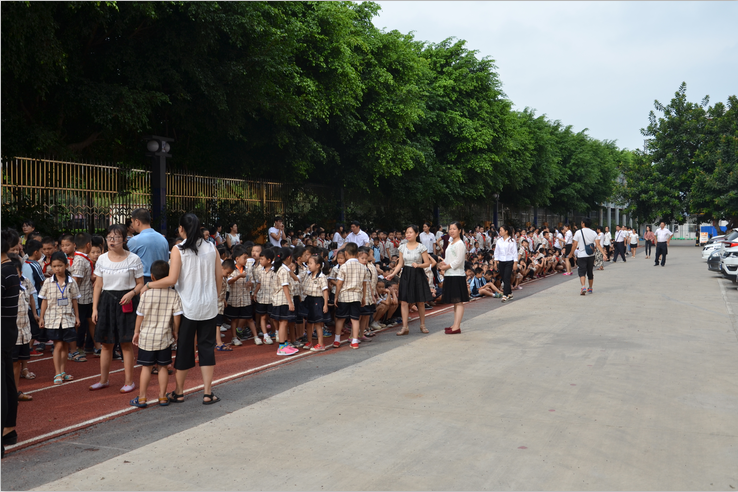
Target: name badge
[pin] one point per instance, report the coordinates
(62, 302)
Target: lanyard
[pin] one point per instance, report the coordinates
(60, 289)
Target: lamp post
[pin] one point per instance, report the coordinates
(497, 207)
(158, 149)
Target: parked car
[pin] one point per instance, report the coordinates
(729, 260)
(713, 261)
(711, 245)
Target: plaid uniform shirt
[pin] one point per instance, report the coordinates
(371, 279)
(304, 272)
(24, 302)
(57, 316)
(281, 279)
(314, 286)
(240, 292)
(353, 275)
(265, 278)
(157, 307)
(82, 269)
(333, 276)
(222, 296)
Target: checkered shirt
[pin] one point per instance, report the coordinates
(333, 276)
(157, 306)
(24, 301)
(282, 278)
(265, 278)
(222, 296)
(304, 273)
(82, 269)
(314, 286)
(353, 275)
(240, 292)
(371, 279)
(57, 316)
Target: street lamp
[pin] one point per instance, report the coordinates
(158, 149)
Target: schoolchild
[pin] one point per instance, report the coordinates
(239, 309)
(158, 316)
(350, 295)
(21, 352)
(48, 248)
(60, 312)
(371, 277)
(227, 268)
(315, 288)
(263, 288)
(81, 270)
(32, 271)
(68, 247)
(283, 306)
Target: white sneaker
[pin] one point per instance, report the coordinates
(268, 340)
(236, 342)
(258, 341)
(223, 329)
(375, 326)
(226, 326)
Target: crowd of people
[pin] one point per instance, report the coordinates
(208, 290)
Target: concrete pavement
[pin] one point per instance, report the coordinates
(633, 387)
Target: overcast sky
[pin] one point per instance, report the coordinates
(595, 65)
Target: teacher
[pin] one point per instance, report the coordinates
(455, 289)
(196, 275)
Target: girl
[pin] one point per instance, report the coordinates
(633, 242)
(59, 312)
(650, 238)
(300, 258)
(119, 281)
(455, 290)
(607, 240)
(599, 257)
(315, 287)
(506, 255)
(264, 286)
(283, 306)
(413, 282)
(233, 238)
(239, 309)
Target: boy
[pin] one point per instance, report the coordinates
(48, 248)
(21, 351)
(67, 245)
(32, 271)
(370, 278)
(228, 266)
(159, 313)
(350, 294)
(81, 271)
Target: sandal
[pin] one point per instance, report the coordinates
(423, 329)
(139, 402)
(67, 377)
(99, 386)
(223, 348)
(163, 402)
(155, 370)
(59, 379)
(175, 398)
(26, 374)
(24, 397)
(213, 399)
(77, 357)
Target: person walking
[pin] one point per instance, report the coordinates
(9, 315)
(506, 257)
(606, 243)
(455, 289)
(196, 274)
(649, 237)
(147, 244)
(599, 253)
(663, 240)
(619, 243)
(586, 242)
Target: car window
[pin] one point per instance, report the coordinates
(730, 236)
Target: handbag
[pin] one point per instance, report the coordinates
(588, 248)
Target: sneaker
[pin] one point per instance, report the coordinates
(286, 350)
(318, 348)
(336, 344)
(375, 326)
(36, 353)
(303, 339)
(589, 291)
(242, 335)
(268, 340)
(298, 344)
(226, 326)
(355, 345)
(327, 332)
(117, 356)
(223, 329)
(567, 273)
(235, 341)
(307, 346)
(49, 343)
(497, 295)
(258, 341)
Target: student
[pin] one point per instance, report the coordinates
(68, 247)
(228, 267)
(633, 242)
(239, 308)
(300, 256)
(567, 248)
(454, 289)
(263, 288)
(386, 302)
(22, 349)
(350, 294)
(60, 312)
(370, 293)
(413, 281)
(48, 248)
(158, 316)
(81, 271)
(33, 271)
(119, 281)
(283, 307)
(315, 287)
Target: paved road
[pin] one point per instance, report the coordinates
(633, 387)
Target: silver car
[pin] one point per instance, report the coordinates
(712, 244)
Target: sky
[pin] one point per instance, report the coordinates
(593, 65)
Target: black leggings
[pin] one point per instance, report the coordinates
(506, 270)
(205, 332)
(648, 248)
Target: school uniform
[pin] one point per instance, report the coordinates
(353, 276)
(81, 270)
(264, 277)
(22, 349)
(221, 301)
(454, 281)
(280, 305)
(157, 307)
(59, 318)
(371, 278)
(312, 287)
(239, 299)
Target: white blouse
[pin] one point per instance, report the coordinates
(506, 250)
(455, 258)
(119, 275)
(196, 283)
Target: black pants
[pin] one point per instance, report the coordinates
(9, 391)
(506, 268)
(619, 250)
(204, 331)
(648, 248)
(585, 266)
(661, 250)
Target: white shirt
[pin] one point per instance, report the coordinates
(559, 240)
(619, 236)
(278, 232)
(428, 240)
(568, 236)
(662, 235)
(360, 239)
(606, 239)
(338, 240)
(506, 250)
(455, 257)
(120, 275)
(634, 238)
(590, 237)
(196, 283)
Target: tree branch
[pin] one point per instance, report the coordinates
(85, 143)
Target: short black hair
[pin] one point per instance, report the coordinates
(477, 271)
(82, 239)
(351, 249)
(159, 269)
(587, 221)
(32, 246)
(142, 215)
(356, 223)
(228, 264)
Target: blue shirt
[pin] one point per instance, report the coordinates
(150, 246)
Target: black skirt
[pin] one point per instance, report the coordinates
(113, 325)
(314, 310)
(414, 286)
(455, 290)
(283, 313)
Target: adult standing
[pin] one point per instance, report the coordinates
(586, 239)
(276, 233)
(599, 253)
(619, 244)
(455, 289)
(427, 238)
(196, 275)
(506, 257)
(9, 327)
(114, 300)
(606, 242)
(567, 248)
(338, 237)
(148, 244)
(233, 238)
(357, 236)
(649, 237)
(663, 240)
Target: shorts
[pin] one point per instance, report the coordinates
(282, 313)
(204, 332)
(62, 334)
(162, 357)
(21, 352)
(219, 320)
(346, 310)
(262, 309)
(313, 306)
(368, 310)
(300, 312)
(585, 265)
(85, 311)
(243, 312)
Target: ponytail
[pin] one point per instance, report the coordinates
(280, 254)
(296, 254)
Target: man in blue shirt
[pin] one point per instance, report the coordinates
(148, 244)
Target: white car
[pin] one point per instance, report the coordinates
(712, 244)
(729, 260)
